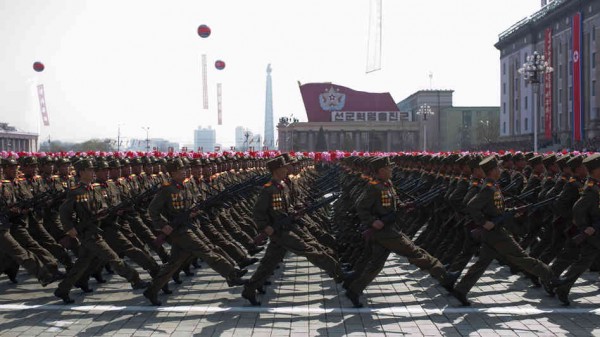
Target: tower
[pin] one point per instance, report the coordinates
(269, 140)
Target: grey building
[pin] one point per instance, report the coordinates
(243, 137)
(550, 31)
(12, 139)
(205, 139)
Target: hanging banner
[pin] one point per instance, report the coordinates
(42, 99)
(548, 85)
(577, 90)
(204, 83)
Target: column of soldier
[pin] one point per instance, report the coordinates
(523, 210)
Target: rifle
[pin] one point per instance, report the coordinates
(286, 222)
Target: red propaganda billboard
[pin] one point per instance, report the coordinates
(548, 85)
(577, 117)
(327, 102)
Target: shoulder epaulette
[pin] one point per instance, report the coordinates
(6, 181)
(269, 184)
(74, 187)
(21, 179)
(489, 184)
(590, 183)
(572, 180)
(95, 184)
(475, 183)
(374, 182)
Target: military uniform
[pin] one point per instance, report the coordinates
(86, 202)
(273, 209)
(170, 207)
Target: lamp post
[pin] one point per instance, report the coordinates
(532, 71)
(147, 128)
(425, 110)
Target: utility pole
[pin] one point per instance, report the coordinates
(147, 128)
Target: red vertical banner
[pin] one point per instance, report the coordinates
(42, 99)
(548, 85)
(577, 99)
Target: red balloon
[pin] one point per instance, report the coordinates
(204, 31)
(38, 66)
(219, 64)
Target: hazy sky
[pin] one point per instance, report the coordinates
(137, 62)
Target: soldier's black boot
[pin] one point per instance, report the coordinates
(354, 298)
(99, 278)
(255, 250)
(449, 281)
(187, 271)
(176, 278)
(152, 297)
(250, 295)
(139, 284)
(165, 289)
(462, 298)
(84, 286)
(64, 296)
(12, 273)
(247, 261)
(563, 295)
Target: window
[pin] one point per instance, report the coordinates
(526, 124)
(570, 93)
(504, 108)
(559, 95)
(517, 104)
(593, 60)
(594, 88)
(504, 127)
(503, 68)
(518, 126)
(560, 69)
(526, 100)
(503, 88)
(594, 33)
(570, 68)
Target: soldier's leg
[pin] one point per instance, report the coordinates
(589, 254)
(123, 247)
(273, 256)
(468, 250)
(486, 256)
(29, 261)
(100, 249)
(294, 244)
(402, 245)
(239, 235)
(76, 273)
(167, 270)
(232, 249)
(146, 235)
(506, 247)
(567, 256)
(373, 266)
(40, 234)
(23, 237)
(187, 241)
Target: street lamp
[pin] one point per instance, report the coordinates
(425, 110)
(535, 66)
(147, 128)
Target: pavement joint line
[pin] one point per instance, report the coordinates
(400, 310)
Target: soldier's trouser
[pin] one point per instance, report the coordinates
(400, 244)
(40, 234)
(198, 232)
(559, 240)
(232, 249)
(238, 234)
(567, 256)
(123, 247)
(23, 237)
(94, 247)
(293, 243)
(499, 243)
(274, 254)
(589, 253)
(146, 235)
(53, 225)
(371, 267)
(29, 261)
(185, 243)
(468, 250)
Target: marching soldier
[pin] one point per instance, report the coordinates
(80, 215)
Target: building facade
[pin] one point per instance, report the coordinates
(568, 106)
(12, 139)
(469, 128)
(205, 139)
(243, 138)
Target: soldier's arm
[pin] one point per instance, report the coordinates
(476, 208)
(155, 209)
(582, 208)
(66, 213)
(456, 197)
(261, 210)
(364, 206)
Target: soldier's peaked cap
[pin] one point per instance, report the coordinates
(381, 162)
(592, 162)
(83, 163)
(489, 163)
(276, 163)
(174, 165)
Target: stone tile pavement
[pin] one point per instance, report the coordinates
(303, 301)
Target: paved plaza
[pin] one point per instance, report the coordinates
(303, 301)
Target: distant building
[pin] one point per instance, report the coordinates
(564, 31)
(205, 139)
(469, 128)
(12, 139)
(154, 144)
(243, 137)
